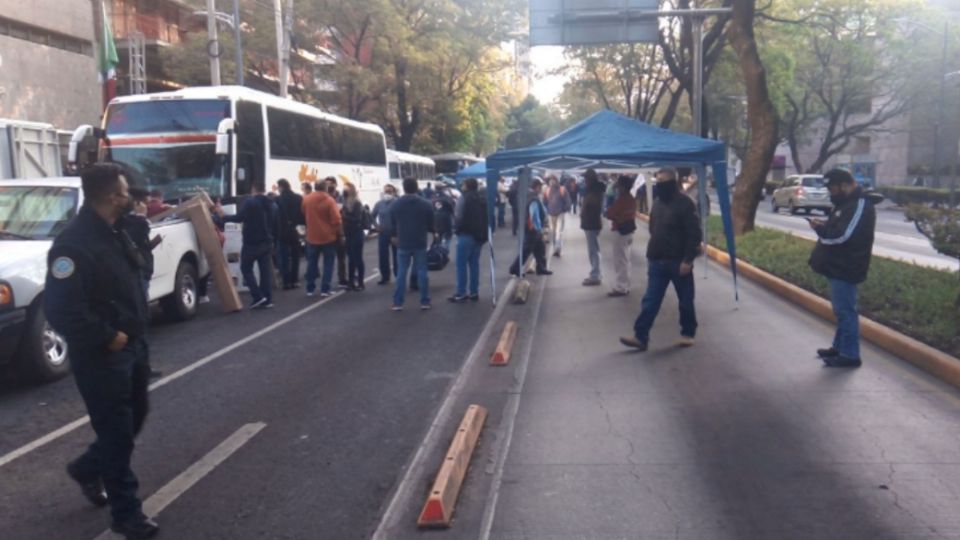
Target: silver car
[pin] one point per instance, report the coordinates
(806, 192)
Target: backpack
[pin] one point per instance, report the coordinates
(437, 257)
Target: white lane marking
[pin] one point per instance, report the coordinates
(410, 484)
(186, 480)
(60, 432)
(508, 420)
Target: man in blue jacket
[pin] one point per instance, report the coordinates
(842, 255)
(412, 218)
(259, 216)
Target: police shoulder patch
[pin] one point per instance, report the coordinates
(62, 267)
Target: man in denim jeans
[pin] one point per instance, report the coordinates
(842, 255)
(471, 223)
(412, 217)
(674, 243)
(324, 231)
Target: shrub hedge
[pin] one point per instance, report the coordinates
(915, 300)
(907, 195)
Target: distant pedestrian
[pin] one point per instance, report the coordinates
(356, 221)
(842, 255)
(443, 208)
(622, 215)
(288, 245)
(674, 243)
(306, 188)
(502, 202)
(574, 190)
(514, 211)
(472, 233)
(137, 226)
(324, 229)
(536, 228)
(413, 220)
(428, 191)
(591, 222)
(341, 245)
(558, 204)
(387, 251)
(261, 226)
(93, 298)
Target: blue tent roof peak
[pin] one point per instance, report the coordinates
(607, 135)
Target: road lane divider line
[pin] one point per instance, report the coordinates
(438, 510)
(188, 478)
(501, 356)
(72, 426)
(509, 418)
(415, 469)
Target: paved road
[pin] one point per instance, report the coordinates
(346, 389)
(896, 238)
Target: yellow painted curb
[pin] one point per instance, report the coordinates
(501, 356)
(438, 510)
(925, 357)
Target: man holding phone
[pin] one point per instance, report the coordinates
(842, 255)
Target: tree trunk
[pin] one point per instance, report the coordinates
(671, 112)
(760, 113)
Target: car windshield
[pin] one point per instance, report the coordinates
(168, 145)
(814, 182)
(35, 212)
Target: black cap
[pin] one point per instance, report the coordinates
(835, 177)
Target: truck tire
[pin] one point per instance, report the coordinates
(43, 352)
(181, 304)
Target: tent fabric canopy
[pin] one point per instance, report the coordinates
(608, 136)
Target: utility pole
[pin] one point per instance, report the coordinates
(287, 45)
(239, 43)
(213, 44)
(283, 49)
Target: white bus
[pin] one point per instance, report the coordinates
(403, 165)
(223, 139)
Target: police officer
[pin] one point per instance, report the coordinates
(94, 299)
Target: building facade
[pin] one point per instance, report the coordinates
(48, 67)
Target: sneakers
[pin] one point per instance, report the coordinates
(396, 308)
(828, 353)
(426, 307)
(203, 300)
(685, 341)
(257, 304)
(617, 293)
(632, 341)
(136, 528)
(268, 305)
(841, 361)
(325, 294)
(474, 297)
(591, 282)
(311, 293)
(457, 299)
(92, 489)
(544, 272)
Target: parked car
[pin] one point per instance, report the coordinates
(806, 192)
(32, 213)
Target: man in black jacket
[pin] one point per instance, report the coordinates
(842, 255)
(674, 243)
(259, 216)
(471, 223)
(288, 245)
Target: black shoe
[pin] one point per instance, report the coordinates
(457, 299)
(91, 489)
(136, 528)
(828, 353)
(155, 373)
(842, 362)
(474, 297)
(544, 272)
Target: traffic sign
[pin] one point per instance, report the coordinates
(593, 22)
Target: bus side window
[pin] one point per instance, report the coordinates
(250, 146)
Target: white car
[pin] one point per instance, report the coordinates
(805, 192)
(32, 213)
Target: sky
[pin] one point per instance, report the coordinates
(543, 59)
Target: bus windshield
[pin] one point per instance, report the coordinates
(169, 145)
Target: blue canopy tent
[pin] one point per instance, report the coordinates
(611, 137)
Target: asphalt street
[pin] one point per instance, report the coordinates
(895, 237)
(346, 391)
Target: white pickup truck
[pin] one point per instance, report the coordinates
(32, 212)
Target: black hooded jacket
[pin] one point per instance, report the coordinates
(846, 239)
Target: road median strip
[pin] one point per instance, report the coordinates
(438, 510)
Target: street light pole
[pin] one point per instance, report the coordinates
(239, 45)
(938, 123)
(213, 45)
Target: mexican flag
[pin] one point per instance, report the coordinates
(108, 60)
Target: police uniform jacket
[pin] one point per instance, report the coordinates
(93, 288)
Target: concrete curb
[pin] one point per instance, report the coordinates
(933, 361)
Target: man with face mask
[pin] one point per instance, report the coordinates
(94, 298)
(674, 243)
(381, 219)
(842, 255)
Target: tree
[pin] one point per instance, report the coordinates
(530, 123)
(850, 78)
(761, 116)
(941, 226)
